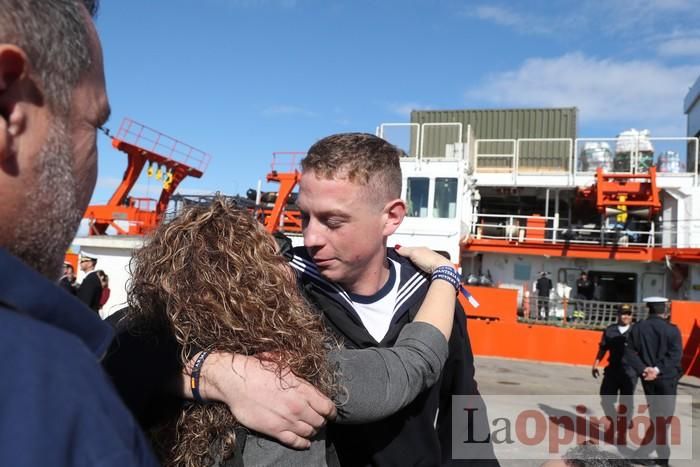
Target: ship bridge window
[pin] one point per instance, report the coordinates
(417, 190)
(445, 203)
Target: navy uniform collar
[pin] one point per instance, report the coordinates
(25, 291)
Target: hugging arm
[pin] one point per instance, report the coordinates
(292, 410)
(378, 382)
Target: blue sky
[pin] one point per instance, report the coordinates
(241, 79)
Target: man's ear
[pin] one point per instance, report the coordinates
(394, 212)
(13, 69)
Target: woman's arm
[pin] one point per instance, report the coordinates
(378, 382)
(439, 303)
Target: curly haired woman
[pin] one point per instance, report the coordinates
(212, 278)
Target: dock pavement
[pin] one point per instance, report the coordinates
(508, 377)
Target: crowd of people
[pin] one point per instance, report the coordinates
(235, 349)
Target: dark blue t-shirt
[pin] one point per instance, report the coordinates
(58, 407)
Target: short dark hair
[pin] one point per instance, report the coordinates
(361, 157)
(54, 35)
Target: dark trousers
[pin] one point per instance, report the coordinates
(616, 382)
(660, 409)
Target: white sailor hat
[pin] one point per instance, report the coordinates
(87, 258)
(655, 300)
(657, 305)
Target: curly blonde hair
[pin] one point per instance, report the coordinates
(212, 278)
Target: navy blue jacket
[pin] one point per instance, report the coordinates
(421, 433)
(614, 342)
(58, 407)
(90, 291)
(657, 343)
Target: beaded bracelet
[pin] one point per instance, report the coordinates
(194, 376)
(447, 273)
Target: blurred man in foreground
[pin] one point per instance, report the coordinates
(58, 408)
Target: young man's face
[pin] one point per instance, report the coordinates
(625, 318)
(86, 265)
(344, 228)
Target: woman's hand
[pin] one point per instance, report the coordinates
(423, 257)
(438, 307)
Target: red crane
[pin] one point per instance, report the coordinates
(174, 161)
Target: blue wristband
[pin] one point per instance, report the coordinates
(449, 274)
(194, 376)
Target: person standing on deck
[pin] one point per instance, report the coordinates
(584, 292)
(544, 287)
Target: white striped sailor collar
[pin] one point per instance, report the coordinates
(410, 279)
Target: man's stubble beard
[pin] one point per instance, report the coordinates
(51, 215)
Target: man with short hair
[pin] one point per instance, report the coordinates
(349, 196)
(58, 407)
(619, 377)
(90, 290)
(654, 350)
(350, 200)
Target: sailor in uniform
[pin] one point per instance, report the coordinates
(90, 290)
(654, 350)
(619, 377)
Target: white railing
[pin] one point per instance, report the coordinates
(511, 156)
(417, 148)
(523, 229)
(410, 146)
(673, 156)
(457, 125)
(684, 150)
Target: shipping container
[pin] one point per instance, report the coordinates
(512, 127)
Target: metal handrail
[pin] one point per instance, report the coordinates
(548, 140)
(575, 312)
(565, 233)
(572, 152)
(571, 235)
(426, 125)
(381, 133)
